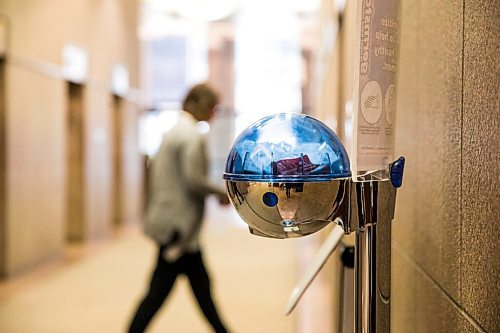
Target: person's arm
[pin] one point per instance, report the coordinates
(194, 163)
(174, 251)
(194, 166)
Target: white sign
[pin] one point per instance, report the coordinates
(375, 88)
(75, 63)
(119, 80)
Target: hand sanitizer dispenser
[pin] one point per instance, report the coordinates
(288, 175)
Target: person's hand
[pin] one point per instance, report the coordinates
(224, 200)
(172, 253)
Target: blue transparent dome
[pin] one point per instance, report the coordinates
(287, 147)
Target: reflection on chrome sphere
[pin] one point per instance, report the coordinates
(283, 210)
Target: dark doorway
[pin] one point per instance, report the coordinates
(3, 168)
(75, 163)
(117, 159)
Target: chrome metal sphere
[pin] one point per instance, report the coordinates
(286, 175)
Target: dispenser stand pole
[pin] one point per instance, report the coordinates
(373, 259)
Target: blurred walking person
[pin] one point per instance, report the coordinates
(174, 213)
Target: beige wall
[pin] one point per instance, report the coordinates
(447, 222)
(445, 262)
(36, 115)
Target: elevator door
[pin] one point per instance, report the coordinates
(117, 156)
(3, 168)
(75, 164)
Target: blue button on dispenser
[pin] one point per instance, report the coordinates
(270, 199)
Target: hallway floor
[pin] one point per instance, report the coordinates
(95, 288)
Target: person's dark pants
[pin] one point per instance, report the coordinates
(162, 282)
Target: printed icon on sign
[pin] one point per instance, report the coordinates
(390, 104)
(371, 102)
